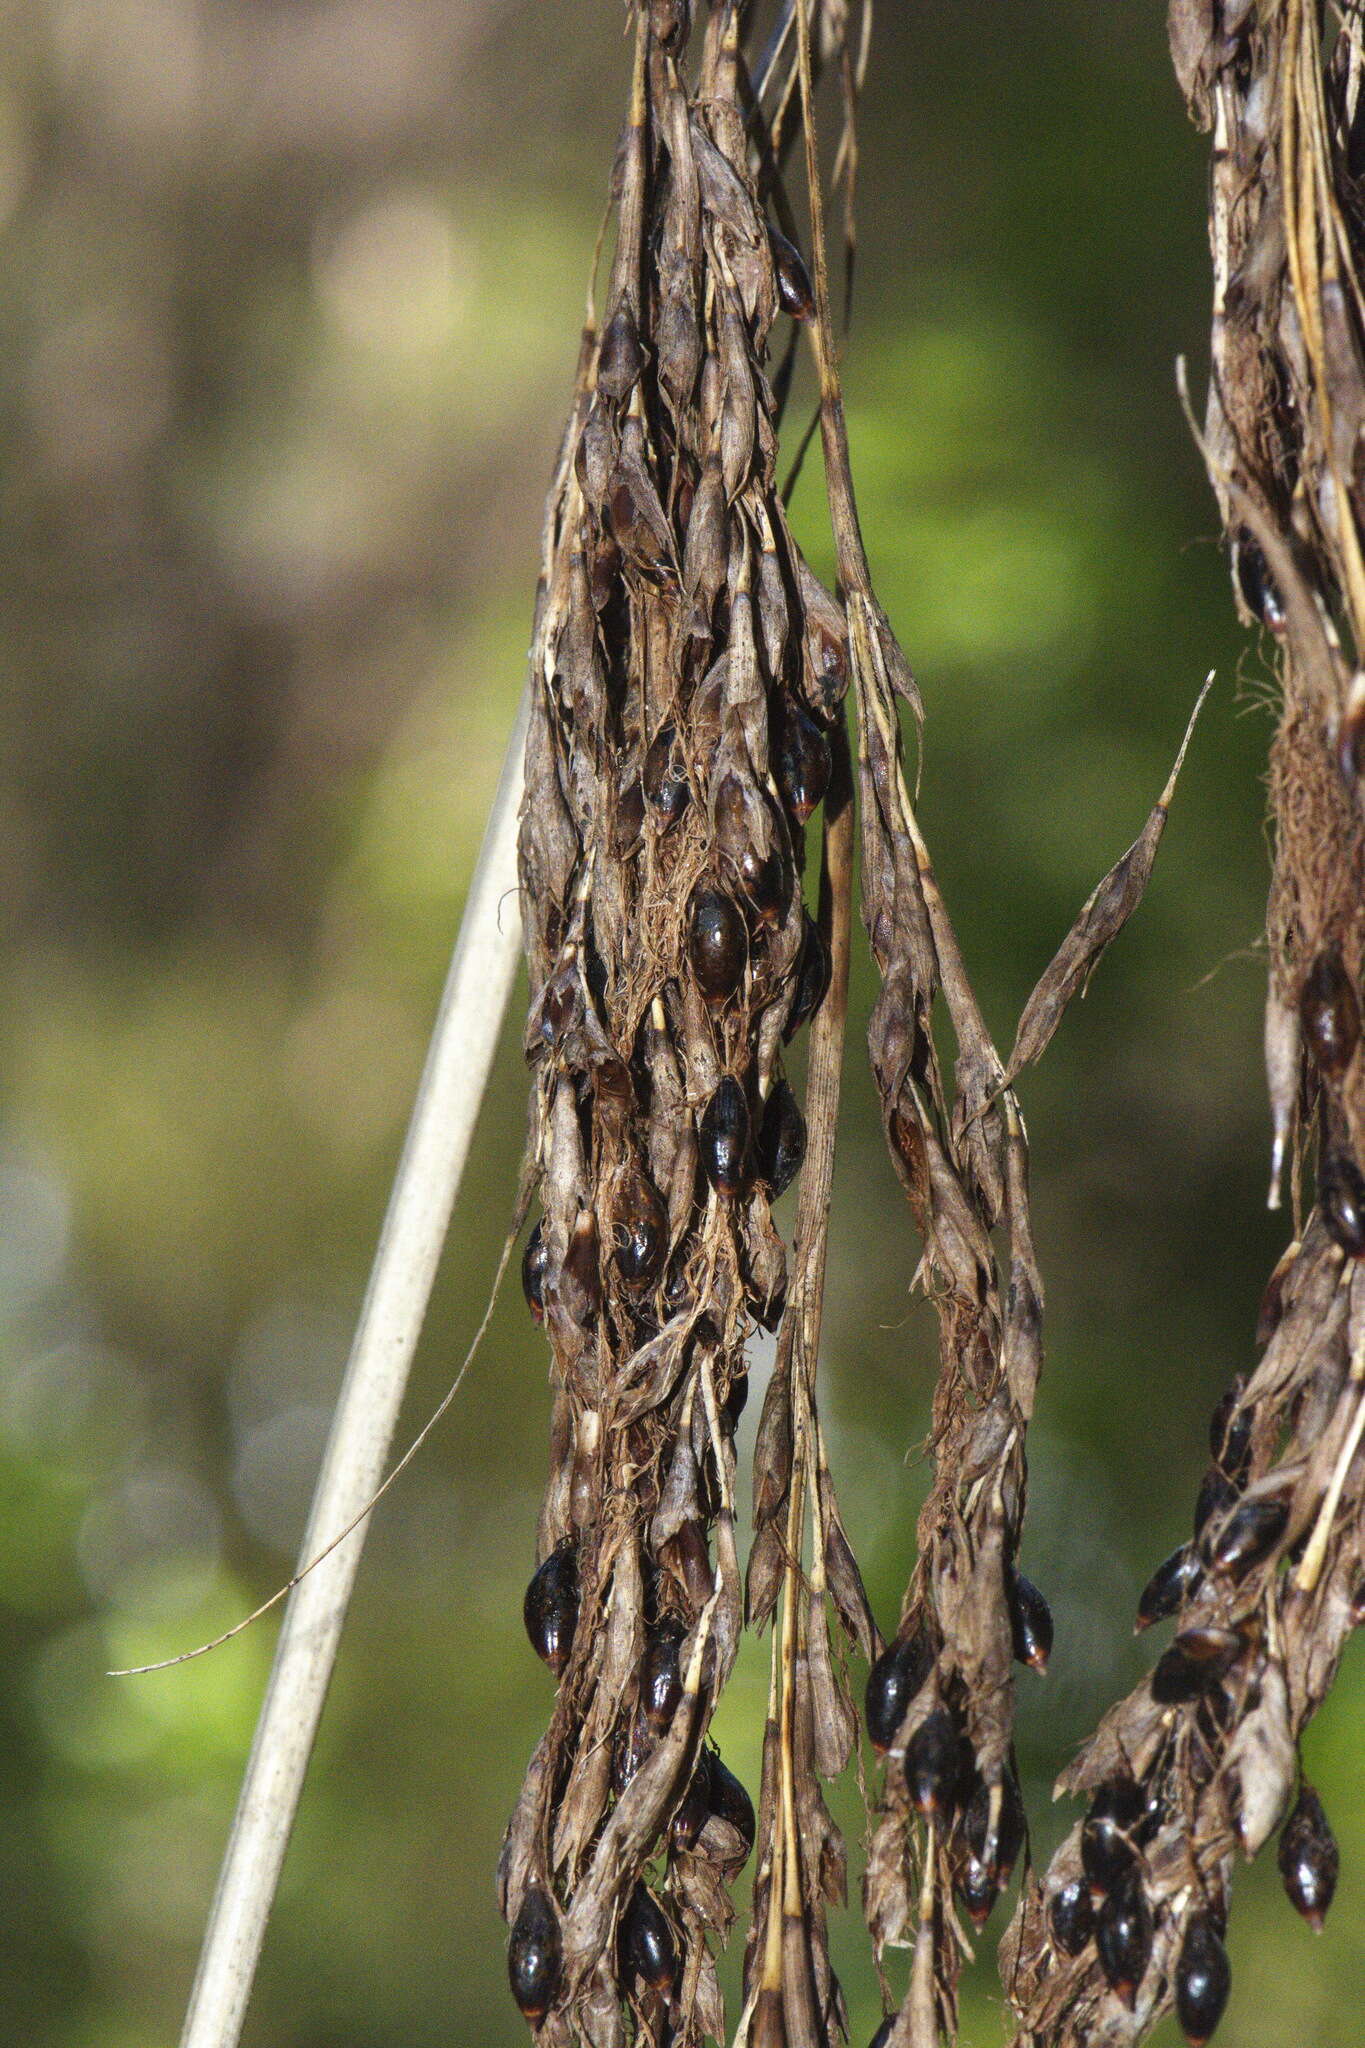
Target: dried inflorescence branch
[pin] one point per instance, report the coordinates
(1202, 1759)
(687, 672)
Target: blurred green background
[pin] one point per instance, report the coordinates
(288, 316)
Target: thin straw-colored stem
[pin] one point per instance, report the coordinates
(424, 1190)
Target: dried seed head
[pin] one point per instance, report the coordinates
(620, 357)
(781, 1140)
(1329, 1010)
(639, 1231)
(533, 1954)
(1170, 1585)
(667, 789)
(1341, 1197)
(1249, 1534)
(813, 976)
(648, 1950)
(550, 1608)
(716, 944)
(1123, 1938)
(1203, 1979)
(931, 1763)
(802, 761)
(892, 1683)
(1031, 1623)
(1196, 1662)
(1072, 1917)
(535, 1264)
(1309, 1859)
(793, 279)
(724, 1137)
(660, 1676)
(1111, 1835)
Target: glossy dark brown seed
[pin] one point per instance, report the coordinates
(535, 1264)
(1341, 1196)
(793, 279)
(1031, 1623)
(1254, 581)
(666, 786)
(1123, 1937)
(764, 882)
(1203, 1979)
(1010, 1829)
(606, 569)
(781, 1140)
(1329, 1010)
(620, 358)
(892, 1683)
(1072, 1917)
(1249, 1534)
(1216, 1495)
(550, 1608)
(813, 975)
(533, 1954)
(730, 1802)
(931, 1763)
(1170, 1585)
(1230, 1432)
(648, 1950)
(660, 1676)
(716, 945)
(977, 1890)
(724, 1136)
(640, 1231)
(692, 1814)
(1194, 1664)
(1309, 1859)
(801, 761)
(628, 819)
(1111, 1834)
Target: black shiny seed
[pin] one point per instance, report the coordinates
(535, 1264)
(666, 788)
(813, 975)
(1249, 1534)
(692, 1814)
(1309, 1859)
(801, 761)
(730, 1802)
(533, 1954)
(931, 1763)
(640, 1231)
(660, 1676)
(1194, 1664)
(1111, 1834)
(781, 1140)
(1329, 1010)
(1123, 1937)
(724, 1136)
(716, 945)
(763, 878)
(1010, 1829)
(1031, 1623)
(1341, 1196)
(1072, 1917)
(1203, 1979)
(978, 1890)
(550, 1608)
(1216, 1495)
(1254, 581)
(793, 280)
(1230, 1432)
(648, 1950)
(1170, 1585)
(892, 1683)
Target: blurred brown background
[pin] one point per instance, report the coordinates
(288, 314)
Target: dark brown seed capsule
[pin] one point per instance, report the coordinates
(764, 882)
(640, 1231)
(1000, 1856)
(648, 1950)
(629, 818)
(533, 1954)
(1254, 581)
(1329, 1010)
(793, 280)
(1031, 1622)
(801, 761)
(666, 786)
(550, 1609)
(1230, 1432)
(1309, 1859)
(1272, 1301)
(977, 1890)
(691, 1816)
(1203, 1980)
(1072, 1917)
(1249, 1534)
(1170, 1585)
(892, 1683)
(1194, 1664)
(660, 1676)
(883, 2033)
(731, 1803)
(1216, 1495)
(1341, 1197)
(535, 1264)
(931, 1763)
(1123, 1937)
(813, 974)
(737, 1400)
(781, 1140)
(1111, 1834)
(620, 358)
(716, 944)
(606, 568)
(629, 1750)
(724, 1136)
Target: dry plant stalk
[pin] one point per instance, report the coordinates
(1201, 1760)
